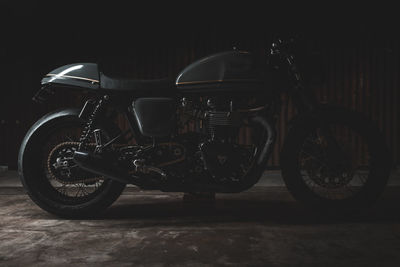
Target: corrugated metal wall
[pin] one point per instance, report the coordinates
(362, 76)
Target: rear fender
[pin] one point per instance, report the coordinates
(70, 114)
(43, 124)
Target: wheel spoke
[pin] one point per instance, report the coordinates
(323, 179)
(67, 179)
(362, 177)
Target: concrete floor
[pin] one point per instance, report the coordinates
(261, 227)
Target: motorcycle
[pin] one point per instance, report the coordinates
(212, 129)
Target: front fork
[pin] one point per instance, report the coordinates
(305, 101)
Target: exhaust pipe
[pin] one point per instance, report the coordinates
(262, 158)
(104, 167)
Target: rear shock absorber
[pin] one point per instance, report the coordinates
(85, 136)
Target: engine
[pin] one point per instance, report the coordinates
(206, 146)
(222, 157)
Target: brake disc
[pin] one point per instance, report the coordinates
(324, 177)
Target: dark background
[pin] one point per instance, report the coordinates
(349, 55)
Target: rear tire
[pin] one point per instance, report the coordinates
(293, 175)
(36, 182)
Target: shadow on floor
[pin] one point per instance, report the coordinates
(177, 212)
(265, 207)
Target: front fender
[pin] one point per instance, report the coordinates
(316, 114)
(341, 115)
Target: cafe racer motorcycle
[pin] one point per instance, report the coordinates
(212, 129)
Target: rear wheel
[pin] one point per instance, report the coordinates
(54, 181)
(336, 163)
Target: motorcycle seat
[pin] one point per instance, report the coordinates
(123, 84)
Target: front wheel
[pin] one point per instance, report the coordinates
(51, 177)
(335, 162)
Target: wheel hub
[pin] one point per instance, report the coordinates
(63, 168)
(325, 177)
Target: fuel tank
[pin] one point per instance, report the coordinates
(236, 71)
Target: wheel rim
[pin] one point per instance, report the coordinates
(60, 144)
(335, 162)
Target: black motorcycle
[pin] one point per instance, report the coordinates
(210, 130)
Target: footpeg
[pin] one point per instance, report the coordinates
(141, 167)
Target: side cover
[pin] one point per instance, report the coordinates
(155, 116)
(83, 75)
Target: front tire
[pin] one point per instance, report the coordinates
(84, 198)
(341, 184)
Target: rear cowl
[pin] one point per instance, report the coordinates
(83, 75)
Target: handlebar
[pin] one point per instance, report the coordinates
(282, 48)
(279, 44)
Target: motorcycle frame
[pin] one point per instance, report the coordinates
(120, 102)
